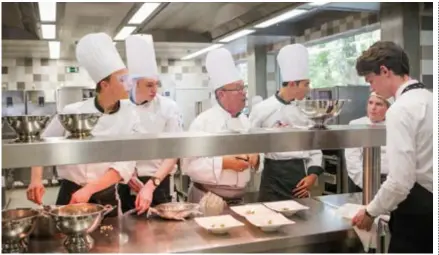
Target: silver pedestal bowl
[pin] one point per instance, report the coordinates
(17, 224)
(320, 111)
(77, 221)
(28, 128)
(79, 125)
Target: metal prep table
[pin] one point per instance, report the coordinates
(316, 230)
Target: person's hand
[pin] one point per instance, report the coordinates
(303, 187)
(81, 196)
(237, 163)
(35, 192)
(144, 197)
(254, 160)
(362, 220)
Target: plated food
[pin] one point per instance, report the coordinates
(269, 223)
(218, 224)
(251, 209)
(287, 208)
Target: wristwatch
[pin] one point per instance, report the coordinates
(155, 181)
(368, 214)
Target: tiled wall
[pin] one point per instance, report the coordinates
(426, 39)
(27, 74)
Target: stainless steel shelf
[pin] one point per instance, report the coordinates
(61, 151)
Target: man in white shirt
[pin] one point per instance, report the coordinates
(287, 175)
(95, 182)
(376, 115)
(407, 192)
(225, 176)
(158, 114)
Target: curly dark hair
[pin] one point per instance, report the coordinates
(383, 53)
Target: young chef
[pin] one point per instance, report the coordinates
(288, 174)
(225, 176)
(95, 182)
(157, 114)
(376, 114)
(407, 192)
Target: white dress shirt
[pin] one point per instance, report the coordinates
(273, 113)
(409, 127)
(354, 156)
(160, 115)
(124, 121)
(209, 170)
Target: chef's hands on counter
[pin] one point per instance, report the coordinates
(240, 163)
(144, 197)
(303, 187)
(363, 220)
(81, 196)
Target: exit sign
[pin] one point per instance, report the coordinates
(72, 69)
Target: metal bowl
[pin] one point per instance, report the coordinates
(79, 125)
(177, 207)
(18, 223)
(82, 218)
(320, 111)
(27, 127)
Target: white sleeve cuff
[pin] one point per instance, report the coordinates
(261, 163)
(125, 170)
(217, 167)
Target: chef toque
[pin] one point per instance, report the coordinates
(141, 56)
(293, 63)
(389, 100)
(221, 68)
(256, 100)
(98, 55)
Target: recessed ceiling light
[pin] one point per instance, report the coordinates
(236, 35)
(47, 11)
(143, 13)
(280, 18)
(124, 33)
(200, 52)
(48, 31)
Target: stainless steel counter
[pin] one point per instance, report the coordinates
(316, 230)
(61, 151)
(338, 200)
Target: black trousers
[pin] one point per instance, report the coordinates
(411, 224)
(103, 197)
(161, 194)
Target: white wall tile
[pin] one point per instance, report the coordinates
(426, 38)
(427, 67)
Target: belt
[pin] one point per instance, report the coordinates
(229, 201)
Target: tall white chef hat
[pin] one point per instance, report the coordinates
(98, 55)
(141, 56)
(221, 68)
(389, 100)
(293, 62)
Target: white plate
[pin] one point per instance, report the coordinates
(218, 224)
(251, 209)
(269, 223)
(287, 208)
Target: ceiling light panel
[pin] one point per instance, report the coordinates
(124, 33)
(47, 11)
(143, 13)
(237, 35)
(200, 52)
(48, 31)
(280, 18)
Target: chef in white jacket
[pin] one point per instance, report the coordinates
(95, 182)
(225, 176)
(407, 192)
(377, 107)
(288, 174)
(158, 114)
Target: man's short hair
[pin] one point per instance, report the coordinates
(98, 85)
(383, 53)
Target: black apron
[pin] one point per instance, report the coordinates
(411, 224)
(161, 194)
(103, 197)
(279, 178)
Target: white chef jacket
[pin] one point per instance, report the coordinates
(160, 115)
(354, 156)
(274, 111)
(124, 121)
(209, 170)
(409, 127)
